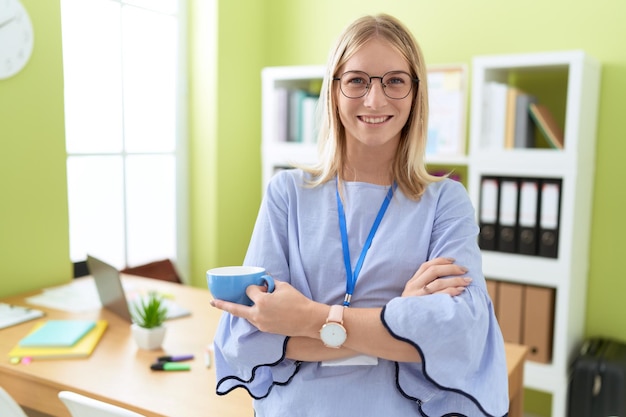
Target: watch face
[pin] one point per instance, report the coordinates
(333, 334)
(16, 37)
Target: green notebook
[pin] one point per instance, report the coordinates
(58, 333)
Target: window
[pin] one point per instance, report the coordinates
(123, 72)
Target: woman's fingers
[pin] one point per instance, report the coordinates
(453, 286)
(431, 273)
(427, 280)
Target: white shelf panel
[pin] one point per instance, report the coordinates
(542, 377)
(446, 159)
(290, 152)
(536, 60)
(522, 268)
(282, 74)
(525, 162)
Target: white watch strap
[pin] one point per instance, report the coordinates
(335, 314)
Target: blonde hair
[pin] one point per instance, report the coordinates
(408, 170)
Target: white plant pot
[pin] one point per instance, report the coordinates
(148, 339)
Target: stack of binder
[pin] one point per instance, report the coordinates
(57, 339)
(526, 316)
(520, 215)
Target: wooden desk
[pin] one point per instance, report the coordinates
(119, 373)
(515, 357)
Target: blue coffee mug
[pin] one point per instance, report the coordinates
(229, 283)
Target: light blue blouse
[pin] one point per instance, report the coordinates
(297, 239)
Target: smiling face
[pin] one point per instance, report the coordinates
(374, 121)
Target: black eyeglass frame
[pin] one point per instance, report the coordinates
(380, 77)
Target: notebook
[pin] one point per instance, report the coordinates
(111, 291)
(82, 349)
(58, 333)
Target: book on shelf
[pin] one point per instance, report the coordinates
(494, 115)
(512, 94)
(519, 130)
(524, 135)
(296, 116)
(81, 349)
(548, 126)
(281, 96)
(308, 119)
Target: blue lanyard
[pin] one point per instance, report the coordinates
(351, 277)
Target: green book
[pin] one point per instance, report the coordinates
(58, 333)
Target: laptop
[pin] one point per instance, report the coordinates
(112, 295)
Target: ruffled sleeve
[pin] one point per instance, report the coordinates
(247, 358)
(463, 369)
(244, 356)
(462, 353)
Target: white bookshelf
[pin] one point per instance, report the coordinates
(574, 165)
(278, 153)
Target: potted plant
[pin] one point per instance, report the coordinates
(148, 316)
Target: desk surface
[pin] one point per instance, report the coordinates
(119, 373)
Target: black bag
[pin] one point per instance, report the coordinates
(597, 385)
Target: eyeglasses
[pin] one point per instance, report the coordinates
(396, 84)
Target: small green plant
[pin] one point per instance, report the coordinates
(149, 312)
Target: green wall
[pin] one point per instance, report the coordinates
(225, 120)
(34, 236)
(225, 97)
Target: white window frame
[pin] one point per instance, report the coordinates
(180, 257)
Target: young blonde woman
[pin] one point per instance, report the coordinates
(380, 306)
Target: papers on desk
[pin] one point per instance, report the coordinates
(11, 314)
(75, 297)
(82, 295)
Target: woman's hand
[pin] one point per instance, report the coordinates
(285, 311)
(426, 280)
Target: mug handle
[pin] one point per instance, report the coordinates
(269, 281)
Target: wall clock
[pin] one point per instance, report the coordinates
(16, 37)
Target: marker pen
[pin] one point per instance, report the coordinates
(175, 358)
(170, 366)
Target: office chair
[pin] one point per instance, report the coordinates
(81, 406)
(80, 269)
(163, 270)
(9, 407)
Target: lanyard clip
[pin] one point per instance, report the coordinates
(347, 299)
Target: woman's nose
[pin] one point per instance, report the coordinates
(375, 96)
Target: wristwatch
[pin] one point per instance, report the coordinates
(333, 334)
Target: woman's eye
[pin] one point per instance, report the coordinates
(357, 81)
(396, 81)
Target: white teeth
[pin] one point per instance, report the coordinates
(373, 120)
